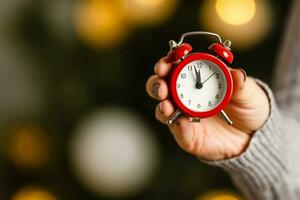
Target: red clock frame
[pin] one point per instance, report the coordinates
(181, 65)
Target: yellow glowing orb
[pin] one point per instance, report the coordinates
(236, 12)
(100, 23)
(149, 3)
(242, 36)
(28, 146)
(220, 195)
(149, 12)
(30, 193)
(225, 197)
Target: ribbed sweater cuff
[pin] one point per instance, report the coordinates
(263, 163)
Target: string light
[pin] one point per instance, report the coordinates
(33, 193)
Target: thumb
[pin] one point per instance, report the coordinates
(243, 88)
(249, 107)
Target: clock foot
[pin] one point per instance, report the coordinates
(225, 117)
(175, 115)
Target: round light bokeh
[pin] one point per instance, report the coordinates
(100, 23)
(27, 146)
(149, 12)
(219, 195)
(33, 193)
(246, 27)
(113, 152)
(235, 12)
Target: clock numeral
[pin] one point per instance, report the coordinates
(219, 86)
(209, 103)
(199, 64)
(217, 96)
(209, 67)
(181, 96)
(178, 85)
(189, 102)
(217, 75)
(199, 105)
(183, 75)
(190, 68)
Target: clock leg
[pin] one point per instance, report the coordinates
(225, 117)
(174, 116)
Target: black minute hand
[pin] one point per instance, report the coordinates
(209, 77)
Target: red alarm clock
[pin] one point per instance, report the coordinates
(200, 83)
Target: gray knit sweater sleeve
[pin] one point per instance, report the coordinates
(270, 167)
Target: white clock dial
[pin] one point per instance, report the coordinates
(204, 93)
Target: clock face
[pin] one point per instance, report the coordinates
(201, 85)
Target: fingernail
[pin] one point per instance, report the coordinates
(155, 67)
(160, 107)
(155, 89)
(244, 73)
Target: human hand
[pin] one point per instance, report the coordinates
(212, 138)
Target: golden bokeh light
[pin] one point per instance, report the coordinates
(149, 3)
(219, 195)
(105, 24)
(100, 23)
(27, 146)
(243, 35)
(236, 12)
(149, 12)
(32, 193)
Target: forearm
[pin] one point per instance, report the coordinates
(287, 71)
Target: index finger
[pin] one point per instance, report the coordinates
(163, 67)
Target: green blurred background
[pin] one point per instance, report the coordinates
(75, 120)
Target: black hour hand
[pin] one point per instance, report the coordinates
(199, 84)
